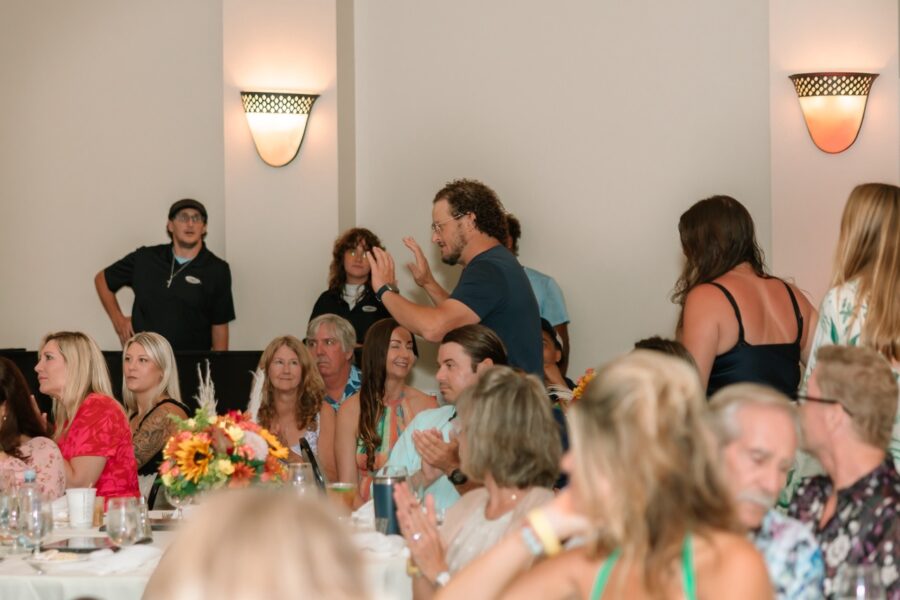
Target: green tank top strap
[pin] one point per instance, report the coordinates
(603, 576)
(687, 572)
(687, 568)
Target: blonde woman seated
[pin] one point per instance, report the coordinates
(24, 441)
(370, 421)
(287, 400)
(259, 544)
(646, 498)
(151, 393)
(509, 441)
(91, 427)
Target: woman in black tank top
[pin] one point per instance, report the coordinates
(720, 248)
(151, 393)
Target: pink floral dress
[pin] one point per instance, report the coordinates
(42, 455)
(100, 428)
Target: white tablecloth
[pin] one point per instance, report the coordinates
(19, 581)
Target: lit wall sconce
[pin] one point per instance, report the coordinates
(833, 106)
(277, 123)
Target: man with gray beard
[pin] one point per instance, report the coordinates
(757, 430)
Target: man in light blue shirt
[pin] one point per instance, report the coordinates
(551, 302)
(428, 447)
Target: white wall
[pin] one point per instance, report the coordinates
(281, 222)
(810, 187)
(110, 111)
(597, 123)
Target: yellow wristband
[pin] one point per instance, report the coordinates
(541, 526)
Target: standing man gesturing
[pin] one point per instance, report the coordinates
(181, 290)
(469, 225)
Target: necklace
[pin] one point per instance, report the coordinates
(173, 272)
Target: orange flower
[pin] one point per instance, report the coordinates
(242, 476)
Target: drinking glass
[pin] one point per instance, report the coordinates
(123, 522)
(7, 517)
(32, 521)
(300, 476)
(858, 582)
(342, 493)
(178, 502)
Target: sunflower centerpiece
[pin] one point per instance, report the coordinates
(214, 451)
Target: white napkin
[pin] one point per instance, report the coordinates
(378, 543)
(104, 562)
(365, 513)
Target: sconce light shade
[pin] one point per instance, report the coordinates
(833, 106)
(277, 123)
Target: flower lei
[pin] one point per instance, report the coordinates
(581, 384)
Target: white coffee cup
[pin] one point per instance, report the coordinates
(81, 506)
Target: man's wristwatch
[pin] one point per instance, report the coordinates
(388, 287)
(457, 477)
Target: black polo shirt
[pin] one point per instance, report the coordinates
(364, 313)
(184, 313)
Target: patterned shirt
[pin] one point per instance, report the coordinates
(865, 527)
(792, 556)
(100, 428)
(354, 381)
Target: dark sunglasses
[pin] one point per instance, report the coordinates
(801, 398)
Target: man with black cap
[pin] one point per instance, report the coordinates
(181, 290)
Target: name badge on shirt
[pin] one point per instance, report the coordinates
(192, 279)
(369, 308)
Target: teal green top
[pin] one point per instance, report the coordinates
(687, 569)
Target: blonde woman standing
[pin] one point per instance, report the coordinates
(151, 393)
(91, 428)
(862, 308)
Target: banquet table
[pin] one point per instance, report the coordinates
(385, 574)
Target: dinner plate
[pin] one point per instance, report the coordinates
(49, 560)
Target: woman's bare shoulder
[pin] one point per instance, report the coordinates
(722, 558)
(419, 400)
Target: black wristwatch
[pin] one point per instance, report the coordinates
(457, 477)
(388, 287)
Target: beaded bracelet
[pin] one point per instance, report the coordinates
(534, 545)
(544, 531)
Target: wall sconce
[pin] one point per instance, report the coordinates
(833, 106)
(277, 123)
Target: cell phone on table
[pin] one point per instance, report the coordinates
(79, 544)
(311, 457)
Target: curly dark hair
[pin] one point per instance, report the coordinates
(371, 391)
(349, 240)
(717, 234)
(514, 229)
(468, 196)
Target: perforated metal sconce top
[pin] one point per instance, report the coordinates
(833, 84)
(833, 106)
(277, 103)
(277, 123)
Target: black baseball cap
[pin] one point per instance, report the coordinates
(187, 203)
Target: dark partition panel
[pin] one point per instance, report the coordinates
(231, 373)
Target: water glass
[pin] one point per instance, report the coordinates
(35, 519)
(8, 517)
(383, 495)
(178, 502)
(301, 477)
(859, 582)
(123, 521)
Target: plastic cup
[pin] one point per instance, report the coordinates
(81, 506)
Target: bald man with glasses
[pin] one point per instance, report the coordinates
(847, 416)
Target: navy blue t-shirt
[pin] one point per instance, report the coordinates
(495, 287)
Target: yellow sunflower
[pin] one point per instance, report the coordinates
(193, 456)
(276, 449)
